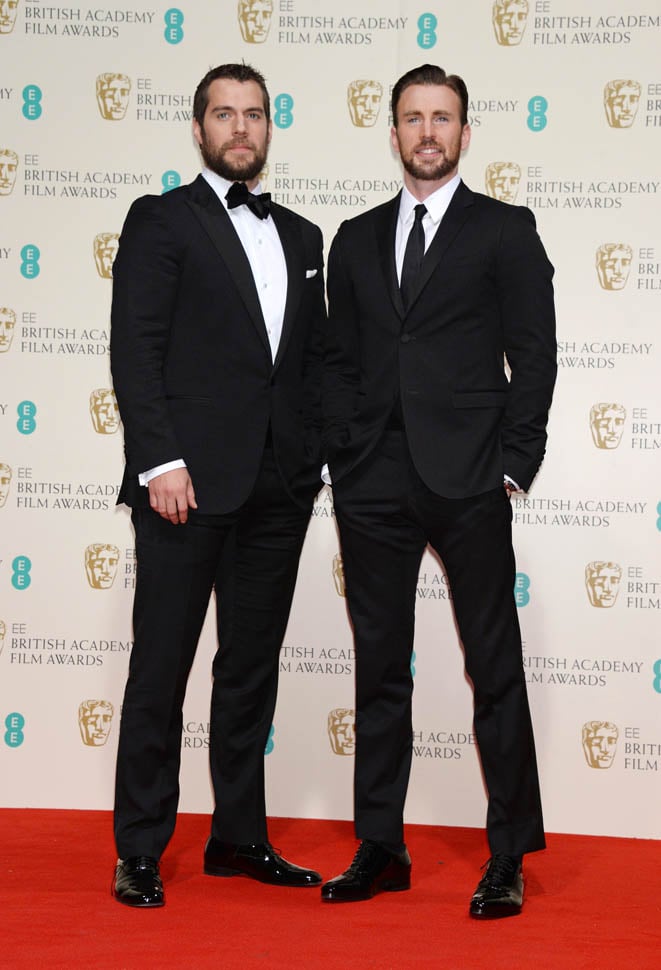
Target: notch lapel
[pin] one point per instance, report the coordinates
(385, 227)
(456, 215)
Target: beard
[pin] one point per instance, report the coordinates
(239, 170)
(432, 172)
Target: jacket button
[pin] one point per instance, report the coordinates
(406, 337)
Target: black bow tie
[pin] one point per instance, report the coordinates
(239, 195)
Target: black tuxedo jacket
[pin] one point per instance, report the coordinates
(485, 292)
(190, 356)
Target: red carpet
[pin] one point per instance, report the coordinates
(591, 904)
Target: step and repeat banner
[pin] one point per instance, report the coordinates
(95, 110)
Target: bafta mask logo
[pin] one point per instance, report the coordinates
(338, 575)
(607, 424)
(613, 262)
(509, 19)
(602, 581)
(364, 101)
(255, 20)
(104, 410)
(106, 245)
(3, 631)
(7, 324)
(101, 562)
(621, 100)
(5, 482)
(8, 167)
(94, 721)
(342, 730)
(600, 743)
(8, 11)
(264, 177)
(502, 180)
(112, 95)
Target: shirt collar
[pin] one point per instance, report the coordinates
(221, 186)
(436, 203)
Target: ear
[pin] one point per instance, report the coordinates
(465, 137)
(394, 140)
(269, 132)
(197, 132)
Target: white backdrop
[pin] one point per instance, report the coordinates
(95, 110)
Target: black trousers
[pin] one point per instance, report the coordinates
(386, 516)
(251, 557)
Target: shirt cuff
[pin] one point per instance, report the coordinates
(144, 478)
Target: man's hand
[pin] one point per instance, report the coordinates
(171, 495)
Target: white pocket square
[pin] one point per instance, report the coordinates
(309, 273)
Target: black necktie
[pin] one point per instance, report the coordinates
(239, 195)
(415, 250)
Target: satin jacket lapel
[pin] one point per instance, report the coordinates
(292, 246)
(217, 224)
(456, 215)
(385, 227)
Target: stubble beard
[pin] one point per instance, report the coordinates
(240, 171)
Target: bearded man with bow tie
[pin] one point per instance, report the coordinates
(218, 320)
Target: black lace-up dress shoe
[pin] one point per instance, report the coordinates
(138, 882)
(374, 870)
(257, 860)
(500, 891)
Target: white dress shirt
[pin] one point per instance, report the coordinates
(436, 204)
(262, 245)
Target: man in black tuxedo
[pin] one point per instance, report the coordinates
(218, 320)
(426, 439)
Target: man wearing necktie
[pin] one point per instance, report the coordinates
(218, 318)
(426, 438)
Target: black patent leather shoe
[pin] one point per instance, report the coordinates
(138, 882)
(374, 870)
(500, 891)
(257, 860)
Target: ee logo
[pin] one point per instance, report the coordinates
(413, 664)
(26, 423)
(14, 736)
(32, 102)
(537, 108)
(521, 587)
(20, 578)
(170, 180)
(30, 267)
(658, 521)
(174, 32)
(270, 744)
(427, 24)
(283, 114)
(657, 677)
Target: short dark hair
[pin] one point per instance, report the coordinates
(430, 74)
(229, 72)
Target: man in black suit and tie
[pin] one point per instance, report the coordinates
(426, 439)
(218, 320)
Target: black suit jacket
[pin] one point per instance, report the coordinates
(190, 356)
(485, 291)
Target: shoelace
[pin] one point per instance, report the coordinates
(363, 857)
(500, 869)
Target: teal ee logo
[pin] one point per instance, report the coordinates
(521, 587)
(32, 102)
(270, 744)
(21, 578)
(656, 683)
(537, 108)
(14, 736)
(413, 663)
(427, 24)
(283, 115)
(658, 521)
(30, 267)
(174, 32)
(170, 180)
(26, 423)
